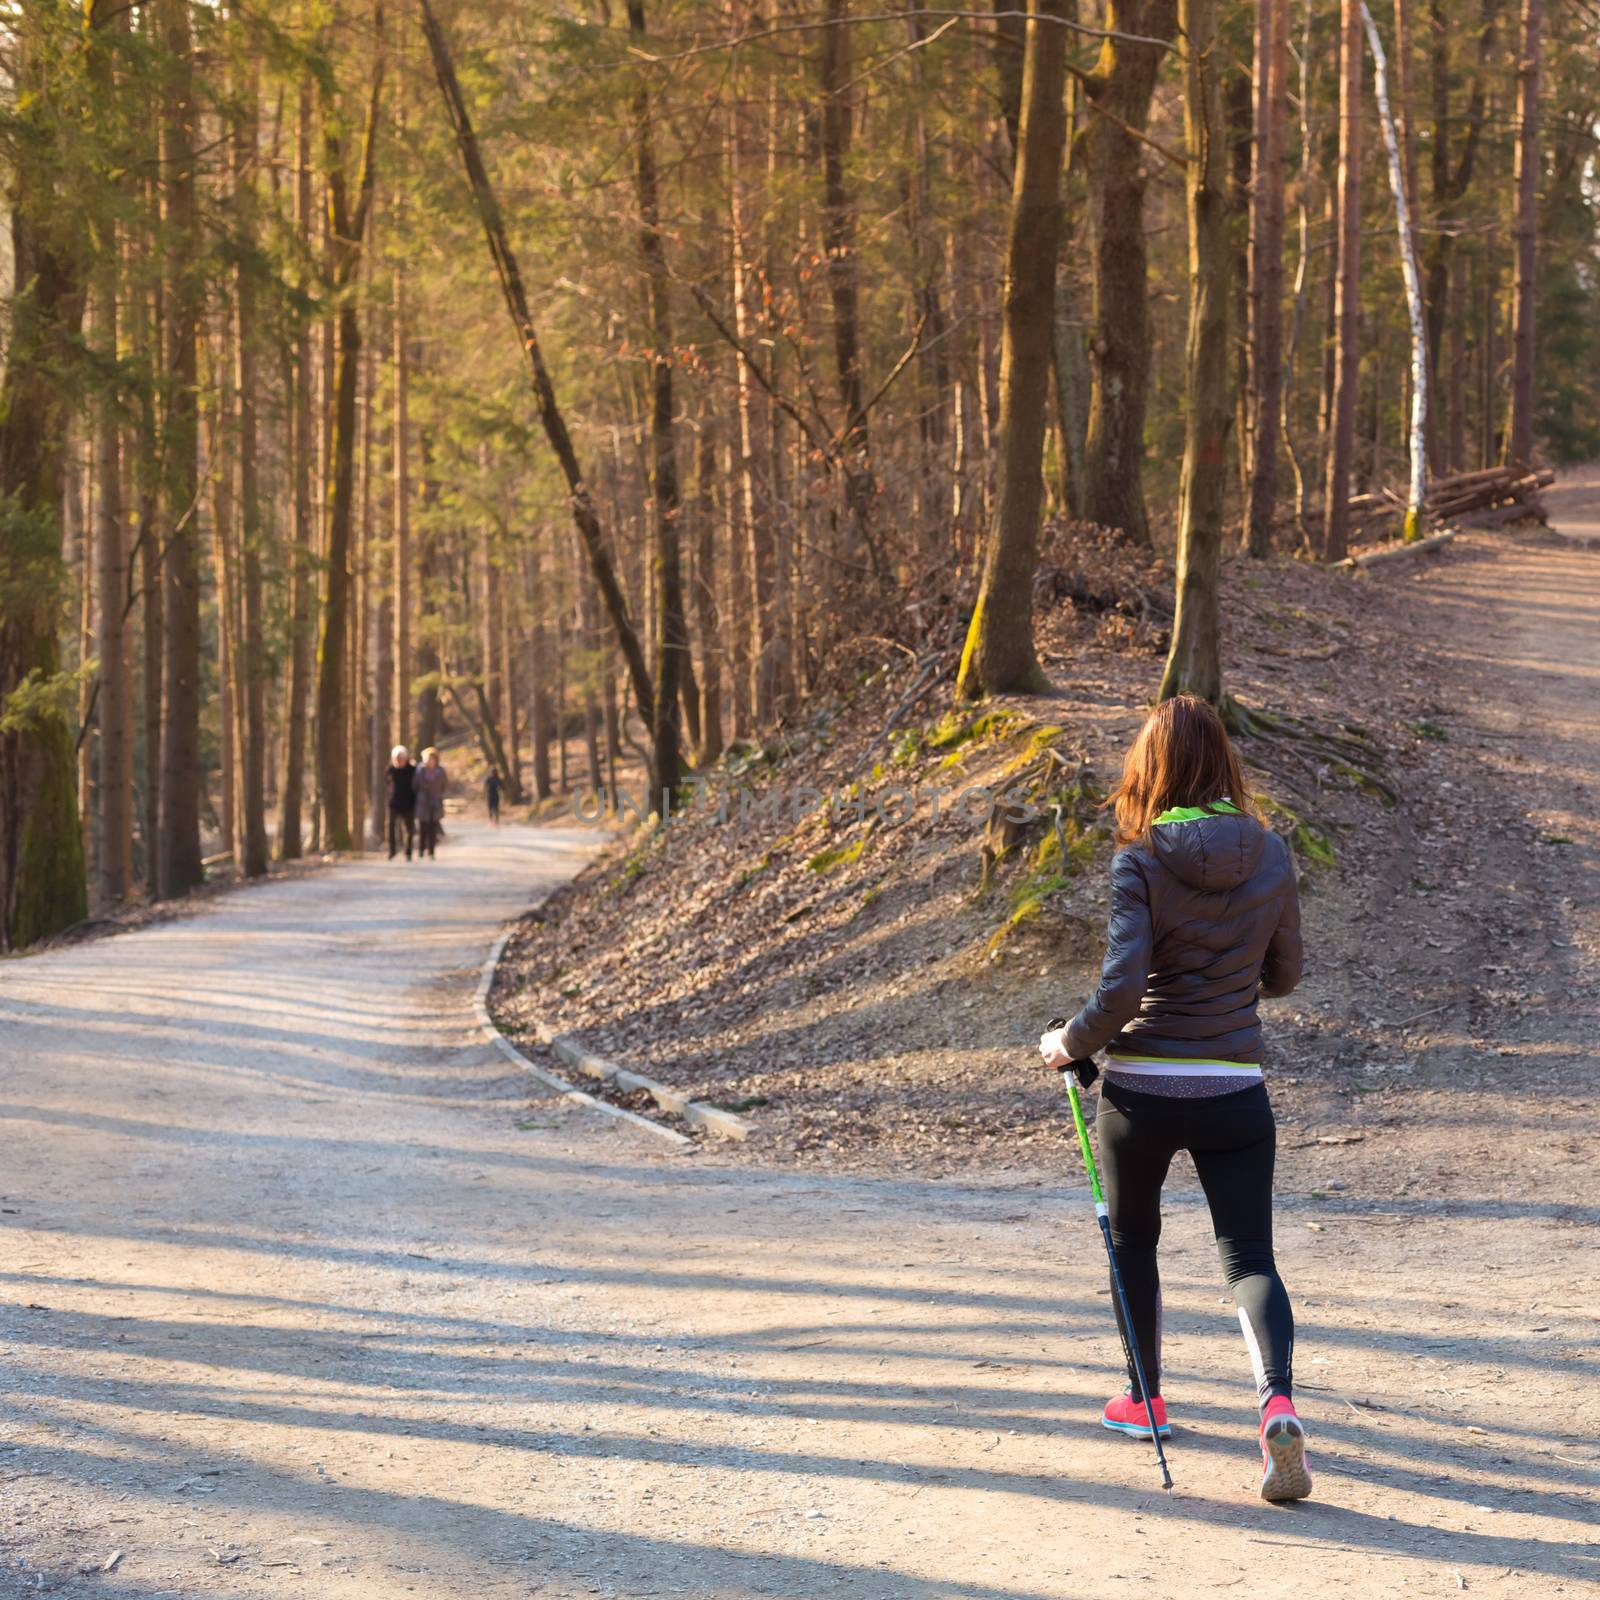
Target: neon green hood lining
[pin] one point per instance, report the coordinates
(1195, 813)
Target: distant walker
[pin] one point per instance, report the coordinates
(402, 780)
(431, 782)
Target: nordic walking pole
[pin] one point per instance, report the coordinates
(1130, 1345)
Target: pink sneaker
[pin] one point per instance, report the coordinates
(1284, 1473)
(1126, 1415)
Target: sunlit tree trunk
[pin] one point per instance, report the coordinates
(179, 858)
(221, 465)
(757, 623)
(1119, 336)
(114, 793)
(359, 679)
(585, 518)
(934, 362)
(1266, 271)
(1417, 445)
(1291, 448)
(705, 594)
(302, 552)
(42, 888)
(252, 675)
(672, 647)
(540, 714)
(147, 339)
(999, 654)
(1347, 291)
(348, 226)
(1524, 303)
(1456, 137)
(839, 244)
(1194, 662)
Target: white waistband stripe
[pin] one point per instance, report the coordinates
(1134, 1068)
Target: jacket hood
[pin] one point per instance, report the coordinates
(1208, 850)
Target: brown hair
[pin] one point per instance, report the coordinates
(1182, 757)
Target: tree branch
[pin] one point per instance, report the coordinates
(757, 34)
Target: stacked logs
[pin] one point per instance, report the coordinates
(1482, 499)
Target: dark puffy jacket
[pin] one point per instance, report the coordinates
(1204, 920)
(402, 783)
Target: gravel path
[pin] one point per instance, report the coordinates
(306, 1296)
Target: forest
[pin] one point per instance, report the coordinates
(592, 387)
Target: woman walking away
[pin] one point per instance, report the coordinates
(491, 793)
(402, 780)
(432, 780)
(1204, 920)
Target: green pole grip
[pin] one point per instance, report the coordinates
(1083, 1142)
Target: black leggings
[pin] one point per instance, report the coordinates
(1233, 1139)
(402, 831)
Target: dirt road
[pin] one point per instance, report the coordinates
(305, 1297)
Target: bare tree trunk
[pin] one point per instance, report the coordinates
(1266, 272)
(1301, 274)
(705, 595)
(934, 361)
(220, 472)
(1402, 93)
(1238, 120)
(999, 654)
(404, 649)
(348, 233)
(739, 591)
(1457, 394)
(1488, 368)
(1452, 178)
(383, 714)
(359, 735)
(78, 523)
(1347, 291)
(115, 700)
(42, 887)
(178, 858)
(758, 644)
(1418, 445)
(149, 340)
(540, 713)
(1194, 662)
(1119, 340)
(672, 648)
(510, 654)
(113, 588)
(550, 416)
(252, 674)
(1524, 301)
(839, 244)
(425, 709)
(302, 553)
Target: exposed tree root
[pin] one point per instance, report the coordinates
(1348, 751)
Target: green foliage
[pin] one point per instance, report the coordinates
(1026, 901)
(1568, 403)
(1310, 843)
(905, 749)
(1070, 846)
(627, 874)
(750, 874)
(50, 891)
(840, 855)
(43, 699)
